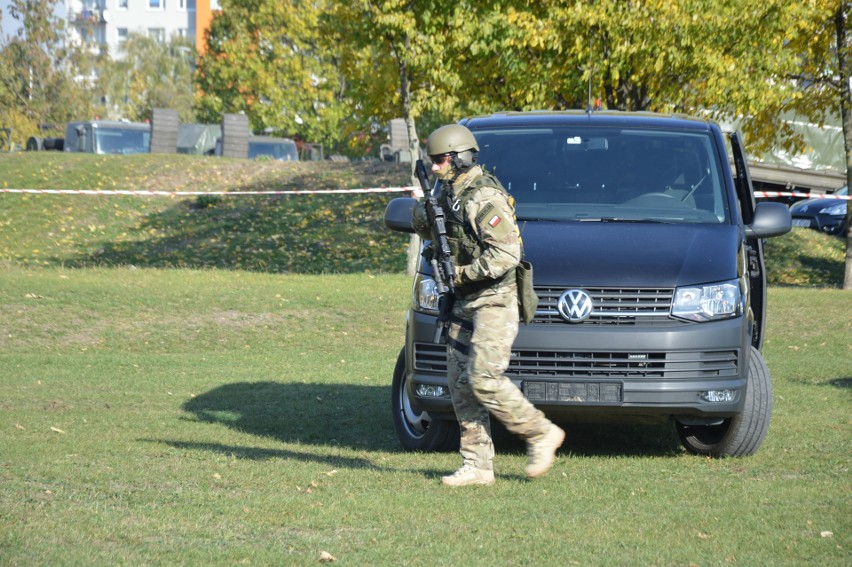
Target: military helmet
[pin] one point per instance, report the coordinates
(456, 140)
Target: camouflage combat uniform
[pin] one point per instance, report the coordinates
(484, 321)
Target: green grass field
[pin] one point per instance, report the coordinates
(226, 417)
(240, 414)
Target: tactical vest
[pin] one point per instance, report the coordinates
(464, 242)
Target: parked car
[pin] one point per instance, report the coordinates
(639, 217)
(824, 214)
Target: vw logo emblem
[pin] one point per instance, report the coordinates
(575, 305)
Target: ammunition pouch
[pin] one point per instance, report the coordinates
(527, 298)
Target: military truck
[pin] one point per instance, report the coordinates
(108, 137)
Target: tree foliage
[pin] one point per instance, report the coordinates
(40, 75)
(151, 74)
(264, 58)
(725, 60)
(398, 47)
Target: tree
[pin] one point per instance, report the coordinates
(649, 55)
(151, 74)
(40, 81)
(264, 58)
(409, 59)
(844, 65)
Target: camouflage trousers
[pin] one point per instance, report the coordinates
(481, 334)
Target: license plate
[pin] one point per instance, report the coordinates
(805, 223)
(573, 392)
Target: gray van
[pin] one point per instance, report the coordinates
(647, 247)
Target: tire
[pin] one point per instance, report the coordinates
(55, 144)
(741, 435)
(34, 144)
(417, 431)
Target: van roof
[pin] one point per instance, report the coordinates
(581, 117)
(113, 124)
(270, 139)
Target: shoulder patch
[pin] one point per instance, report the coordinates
(483, 214)
(494, 222)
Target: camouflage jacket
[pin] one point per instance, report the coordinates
(483, 233)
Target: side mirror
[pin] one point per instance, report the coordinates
(81, 138)
(398, 214)
(770, 219)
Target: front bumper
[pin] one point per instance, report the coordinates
(602, 372)
(824, 223)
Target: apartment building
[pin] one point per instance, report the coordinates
(104, 25)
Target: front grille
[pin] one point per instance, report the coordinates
(553, 364)
(669, 365)
(612, 306)
(587, 364)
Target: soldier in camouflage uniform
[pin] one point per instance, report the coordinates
(486, 249)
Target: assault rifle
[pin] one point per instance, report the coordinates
(443, 271)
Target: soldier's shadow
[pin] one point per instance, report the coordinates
(344, 415)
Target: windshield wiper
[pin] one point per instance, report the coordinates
(541, 219)
(623, 219)
(600, 219)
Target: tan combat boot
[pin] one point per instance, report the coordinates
(469, 475)
(542, 451)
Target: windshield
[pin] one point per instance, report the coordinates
(607, 174)
(121, 141)
(277, 150)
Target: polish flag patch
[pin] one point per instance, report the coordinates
(495, 220)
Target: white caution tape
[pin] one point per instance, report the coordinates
(415, 191)
(800, 195)
(147, 193)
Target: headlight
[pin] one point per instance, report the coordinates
(708, 302)
(837, 210)
(426, 294)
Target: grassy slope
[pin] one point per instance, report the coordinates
(306, 234)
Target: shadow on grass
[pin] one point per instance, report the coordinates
(262, 454)
(823, 271)
(623, 440)
(358, 417)
(337, 415)
(603, 440)
(842, 383)
(343, 415)
(308, 234)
